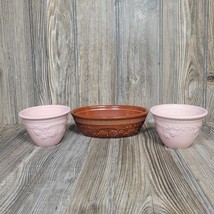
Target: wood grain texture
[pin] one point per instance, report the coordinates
(54, 56)
(96, 51)
(15, 60)
(43, 181)
(138, 52)
(77, 53)
(88, 175)
(197, 166)
(62, 77)
(210, 65)
(93, 189)
(39, 39)
(170, 189)
(184, 32)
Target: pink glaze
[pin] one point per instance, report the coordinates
(45, 124)
(178, 125)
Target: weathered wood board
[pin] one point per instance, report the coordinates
(77, 53)
(210, 65)
(184, 35)
(88, 175)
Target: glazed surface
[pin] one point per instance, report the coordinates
(110, 112)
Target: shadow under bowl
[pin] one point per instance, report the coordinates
(45, 124)
(109, 121)
(178, 125)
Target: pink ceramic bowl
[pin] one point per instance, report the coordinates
(45, 124)
(178, 125)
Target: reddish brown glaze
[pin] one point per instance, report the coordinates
(110, 121)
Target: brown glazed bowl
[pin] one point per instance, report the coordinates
(109, 121)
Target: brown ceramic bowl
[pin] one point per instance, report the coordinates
(110, 121)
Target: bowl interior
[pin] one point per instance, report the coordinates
(178, 111)
(45, 111)
(109, 112)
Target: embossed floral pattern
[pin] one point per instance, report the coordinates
(44, 133)
(124, 131)
(167, 131)
(172, 130)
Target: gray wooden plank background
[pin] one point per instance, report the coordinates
(140, 52)
(210, 64)
(183, 51)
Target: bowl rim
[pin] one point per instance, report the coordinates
(142, 111)
(21, 113)
(198, 116)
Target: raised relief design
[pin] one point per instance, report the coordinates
(46, 132)
(196, 129)
(170, 131)
(124, 131)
